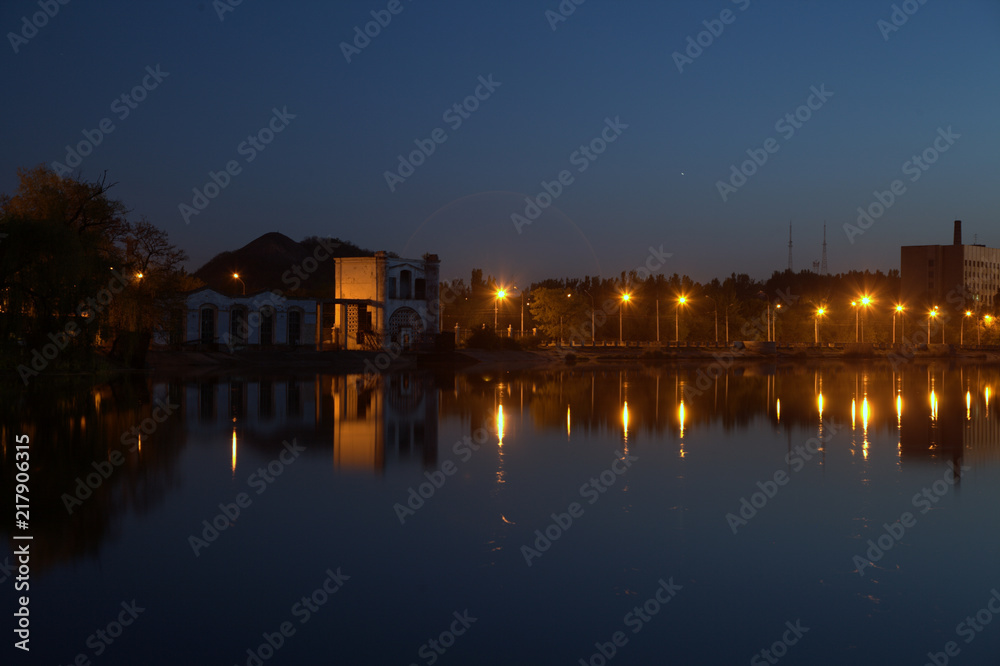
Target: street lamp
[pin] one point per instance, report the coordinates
(930, 315)
(866, 302)
(774, 322)
(501, 293)
(819, 313)
(902, 334)
(681, 300)
(716, 306)
(961, 331)
(237, 276)
(626, 297)
(593, 330)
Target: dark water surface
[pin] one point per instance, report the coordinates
(832, 514)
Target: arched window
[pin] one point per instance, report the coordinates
(406, 284)
(294, 326)
(207, 325)
(267, 325)
(238, 328)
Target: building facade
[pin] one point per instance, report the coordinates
(956, 275)
(260, 320)
(384, 301)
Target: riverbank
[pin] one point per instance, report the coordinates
(347, 362)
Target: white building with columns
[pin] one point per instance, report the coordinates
(263, 319)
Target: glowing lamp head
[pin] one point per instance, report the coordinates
(236, 275)
(899, 308)
(501, 293)
(626, 297)
(866, 301)
(821, 311)
(682, 299)
(968, 313)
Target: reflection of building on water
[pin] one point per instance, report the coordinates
(394, 416)
(945, 413)
(365, 422)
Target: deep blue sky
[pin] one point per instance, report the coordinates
(655, 185)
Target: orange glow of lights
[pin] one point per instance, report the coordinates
(500, 424)
(626, 297)
(899, 308)
(854, 413)
(934, 406)
(899, 411)
(777, 407)
(819, 403)
(567, 423)
(681, 414)
(234, 451)
(968, 406)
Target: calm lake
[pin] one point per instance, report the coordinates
(810, 514)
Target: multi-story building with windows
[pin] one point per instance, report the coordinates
(383, 301)
(955, 276)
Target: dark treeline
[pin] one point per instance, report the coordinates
(733, 308)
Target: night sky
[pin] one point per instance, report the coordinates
(609, 67)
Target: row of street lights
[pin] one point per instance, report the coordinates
(866, 302)
(863, 301)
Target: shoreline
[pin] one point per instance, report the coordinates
(193, 364)
(475, 360)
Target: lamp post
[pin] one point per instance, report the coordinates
(568, 295)
(819, 313)
(961, 332)
(237, 276)
(681, 300)
(593, 329)
(898, 311)
(774, 323)
(625, 299)
(501, 293)
(930, 316)
(522, 313)
(716, 306)
(854, 304)
(865, 302)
